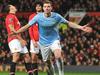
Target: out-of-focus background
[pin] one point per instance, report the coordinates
(81, 50)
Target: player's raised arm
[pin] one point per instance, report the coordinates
(83, 28)
(22, 29)
(73, 25)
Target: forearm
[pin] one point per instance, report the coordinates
(22, 29)
(19, 37)
(74, 25)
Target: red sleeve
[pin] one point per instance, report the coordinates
(9, 21)
(31, 33)
(31, 28)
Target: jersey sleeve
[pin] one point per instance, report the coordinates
(31, 28)
(31, 32)
(33, 21)
(62, 19)
(10, 21)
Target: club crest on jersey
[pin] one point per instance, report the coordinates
(15, 49)
(11, 19)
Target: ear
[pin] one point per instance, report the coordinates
(51, 8)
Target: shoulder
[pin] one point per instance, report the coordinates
(32, 15)
(10, 17)
(39, 15)
(55, 14)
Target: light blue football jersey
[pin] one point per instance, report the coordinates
(48, 27)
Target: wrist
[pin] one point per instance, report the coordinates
(80, 27)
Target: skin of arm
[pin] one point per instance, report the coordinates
(22, 29)
(12, 29)
(23, 42)
(73, 25)
(83, 28)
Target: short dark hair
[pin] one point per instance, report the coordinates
(38, 3)
(7, 8)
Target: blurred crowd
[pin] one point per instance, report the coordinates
(79, 48)
(82, 48)
(60, 6)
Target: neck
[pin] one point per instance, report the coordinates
(47, 14)
(12, 12)
(38, 12)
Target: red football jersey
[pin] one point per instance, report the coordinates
(11, 19)
(33, 30)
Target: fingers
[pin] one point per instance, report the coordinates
(86, 25)
(88, 29)
(35, 44)
(23, 43)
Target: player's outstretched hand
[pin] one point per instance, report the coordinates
(86, 28)
(35, 44)
(23, 42)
